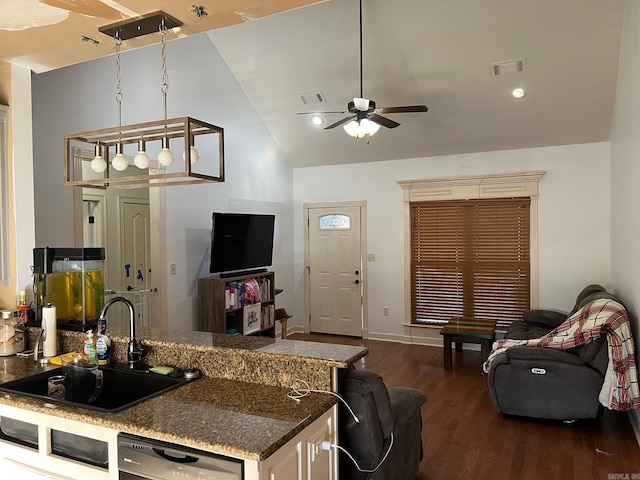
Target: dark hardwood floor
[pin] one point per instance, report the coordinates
(464, 437)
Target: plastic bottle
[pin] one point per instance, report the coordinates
(90, 348)
(103, 348)
(232, 298)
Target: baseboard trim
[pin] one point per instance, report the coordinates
(387, 337)
(428, 335)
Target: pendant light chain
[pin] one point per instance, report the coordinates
(165, 75)
(165, 157)
(118, 42)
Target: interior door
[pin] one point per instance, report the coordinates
(136, 256)
(137, 275)
(335, 270)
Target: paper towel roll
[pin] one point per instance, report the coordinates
(49, 321)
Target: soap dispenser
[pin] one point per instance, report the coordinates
(90, 348)
(103, 343)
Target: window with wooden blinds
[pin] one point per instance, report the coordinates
(470, 259)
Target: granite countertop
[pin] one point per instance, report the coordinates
(240, 419)
(268, 361)
(335, 355)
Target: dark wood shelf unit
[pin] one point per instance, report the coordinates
(213, 316)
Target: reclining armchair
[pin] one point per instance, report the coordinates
(547, 383)
(386, 444)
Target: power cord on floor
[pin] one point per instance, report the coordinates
(326, 445)
(301, 389)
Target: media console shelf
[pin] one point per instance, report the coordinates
(224, 305)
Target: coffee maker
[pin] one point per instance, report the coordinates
(72, 279)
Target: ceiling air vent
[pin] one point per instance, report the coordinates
(312, 98)
(510, 66)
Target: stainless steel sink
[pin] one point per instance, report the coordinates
(120, 389)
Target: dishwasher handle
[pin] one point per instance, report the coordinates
(185, 459)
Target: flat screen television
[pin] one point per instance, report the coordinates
(241, 242)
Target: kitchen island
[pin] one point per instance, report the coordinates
(239, 408)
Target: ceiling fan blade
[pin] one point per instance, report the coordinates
(408, 108)
(385, 122)
(316, 113)
(91, 8)
(340, 122)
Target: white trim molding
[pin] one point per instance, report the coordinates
(4, 196)
(508, 185)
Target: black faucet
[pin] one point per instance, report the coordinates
(134, 352)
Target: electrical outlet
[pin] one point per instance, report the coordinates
(385, 311)
(316, 449)
(371, 257)
(172, 269)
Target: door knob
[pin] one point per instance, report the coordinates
(356, 282)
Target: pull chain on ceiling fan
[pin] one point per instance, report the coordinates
(366, 118)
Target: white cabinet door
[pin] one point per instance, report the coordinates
(285, 464)
(303, 458)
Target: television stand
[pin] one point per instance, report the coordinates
(222, 307)
(242, 272)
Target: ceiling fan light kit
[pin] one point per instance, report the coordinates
(87, 158)
(361, 128)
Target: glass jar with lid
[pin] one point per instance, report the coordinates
(11, 333)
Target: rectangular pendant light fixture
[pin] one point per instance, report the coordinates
(183, 133)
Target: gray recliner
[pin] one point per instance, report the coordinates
(389, 428)
(548, 383)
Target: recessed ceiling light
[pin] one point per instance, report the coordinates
(317, 119)
(518, 92)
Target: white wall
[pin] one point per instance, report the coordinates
(625, 168)
(259, 177)
(574, 218)
(15, 91)
(22, 166)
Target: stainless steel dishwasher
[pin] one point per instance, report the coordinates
(142, 458)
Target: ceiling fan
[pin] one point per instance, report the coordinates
(366, 118)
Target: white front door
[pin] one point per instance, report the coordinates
(335, 270)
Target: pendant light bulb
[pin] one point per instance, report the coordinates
(165, 157)
(98, 164)
(141, 160)
(119, 162)
(195, 155)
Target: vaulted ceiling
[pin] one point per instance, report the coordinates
(440, 53)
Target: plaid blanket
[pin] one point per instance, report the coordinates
(620, 387)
